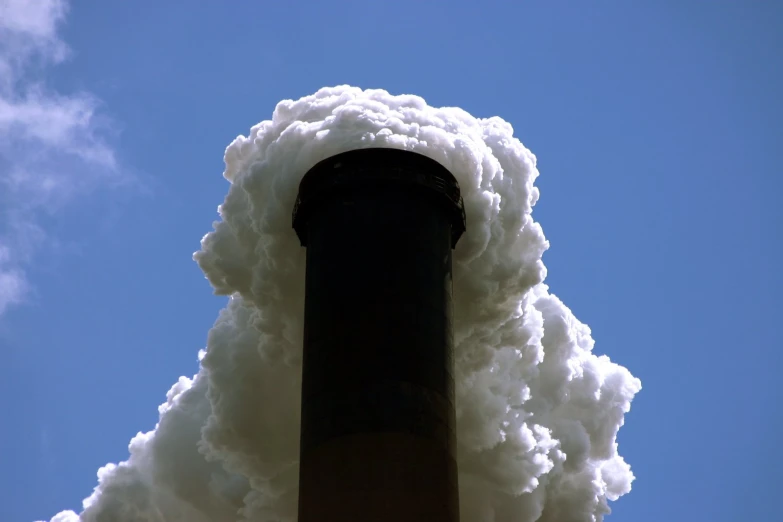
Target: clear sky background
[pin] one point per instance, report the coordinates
(657, 127)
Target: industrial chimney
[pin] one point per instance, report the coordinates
(378, 420)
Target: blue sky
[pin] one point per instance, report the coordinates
(657, 129)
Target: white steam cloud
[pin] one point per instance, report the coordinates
(538, 412)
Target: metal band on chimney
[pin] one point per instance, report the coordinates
(378, 168)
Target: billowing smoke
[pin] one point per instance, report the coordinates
(538, 412)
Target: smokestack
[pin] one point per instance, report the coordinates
(378, 425)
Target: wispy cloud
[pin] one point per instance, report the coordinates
(53, 145)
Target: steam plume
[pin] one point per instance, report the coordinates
(538, 412)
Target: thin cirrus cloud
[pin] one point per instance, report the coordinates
(53, 145)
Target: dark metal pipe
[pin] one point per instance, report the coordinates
(378, 419)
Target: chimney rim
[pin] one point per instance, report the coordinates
(378, 167)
